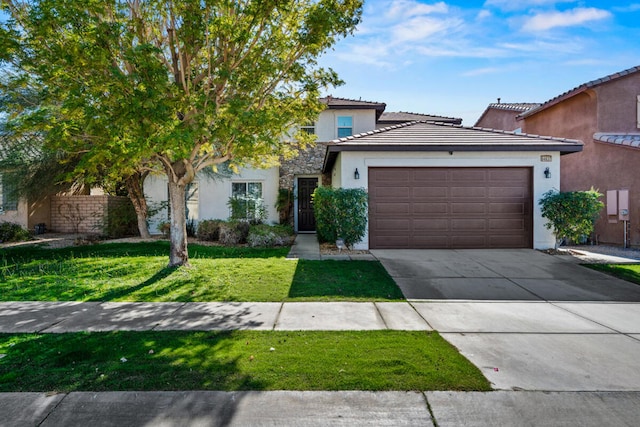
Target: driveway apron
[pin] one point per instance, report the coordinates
(528, 320)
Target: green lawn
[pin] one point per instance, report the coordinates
(238, 360)
(630, 272)
(137, 272)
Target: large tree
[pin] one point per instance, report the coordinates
(187, 84)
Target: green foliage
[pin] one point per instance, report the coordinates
(191, 228)
(247, 208)
(187, 84)
(10, 232)
(209, 229)
(234, 232)
(121, 221)
(263, 235)
(284, 204)
(571, 214)
(340, 212)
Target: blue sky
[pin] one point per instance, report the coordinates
(453, 58)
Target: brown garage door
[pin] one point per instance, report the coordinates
(450, 208)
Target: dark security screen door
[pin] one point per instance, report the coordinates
(306, 219)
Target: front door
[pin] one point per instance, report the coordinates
(306, 219)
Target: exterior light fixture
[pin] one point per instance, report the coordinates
(356, 174)
(547, 173)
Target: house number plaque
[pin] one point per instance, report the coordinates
(546, 158)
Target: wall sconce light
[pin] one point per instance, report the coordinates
(356, 174)
(547, 173)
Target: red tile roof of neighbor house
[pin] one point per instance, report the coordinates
(631, 140)
(579, 89)
(434, 136)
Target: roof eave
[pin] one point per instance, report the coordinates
(334, 149)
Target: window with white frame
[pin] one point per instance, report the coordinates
(345, 126)
(246, 201)
(309, 128)
(7, 196)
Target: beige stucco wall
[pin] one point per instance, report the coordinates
(499, 119)
(610, 107)
(342, 175)
(19, 216)
(213, 195)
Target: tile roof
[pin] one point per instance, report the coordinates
(434, 136)
(403, 116)
(631, 140)
(333, 102)
(579, 89)
(514, 106)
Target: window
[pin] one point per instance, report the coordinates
(309, 128)
(246, 201)
(345, 126)
(638, 110)
(8, 195)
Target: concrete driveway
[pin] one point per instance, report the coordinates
(528, 320)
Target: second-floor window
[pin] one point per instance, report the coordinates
(345, 126)
(309, 128)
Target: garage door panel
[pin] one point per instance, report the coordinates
(450, 208)
(468, 208)
(392, 192)
(508, 192)
(430, 208)
(468, 174)
(472, 224)
(507, 225)
(429, 192)
(431, 175)
(392, 225)
(431, 224)
(507, 208)
(392, 208)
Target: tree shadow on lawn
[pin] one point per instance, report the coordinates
(119, 293)
(366, 280)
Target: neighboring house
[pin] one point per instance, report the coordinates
(441, 186)
(605, 115)
(503, 116)
(207, 198)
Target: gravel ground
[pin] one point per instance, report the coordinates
(602, 253)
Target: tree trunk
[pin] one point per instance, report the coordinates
(135, 190)
(178, 254)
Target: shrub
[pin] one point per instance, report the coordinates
(121, 221)
(234, 232)
(340, 212)
(209, 230)
(191, 228)
(269, 235)
(571, 214)
(11, 232)
(165, 228)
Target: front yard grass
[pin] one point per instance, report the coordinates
(629, 272)
(235, 360)
(138, 272)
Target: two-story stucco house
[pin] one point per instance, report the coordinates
(605, 115)
(207, 198)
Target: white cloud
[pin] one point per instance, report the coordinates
(570, 18)
(482, 71)
(484, 14)
(511, 5)
(403, 9)
(420, 28)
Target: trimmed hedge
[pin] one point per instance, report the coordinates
(340, 212)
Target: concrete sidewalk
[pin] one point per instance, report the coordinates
(319, 408)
